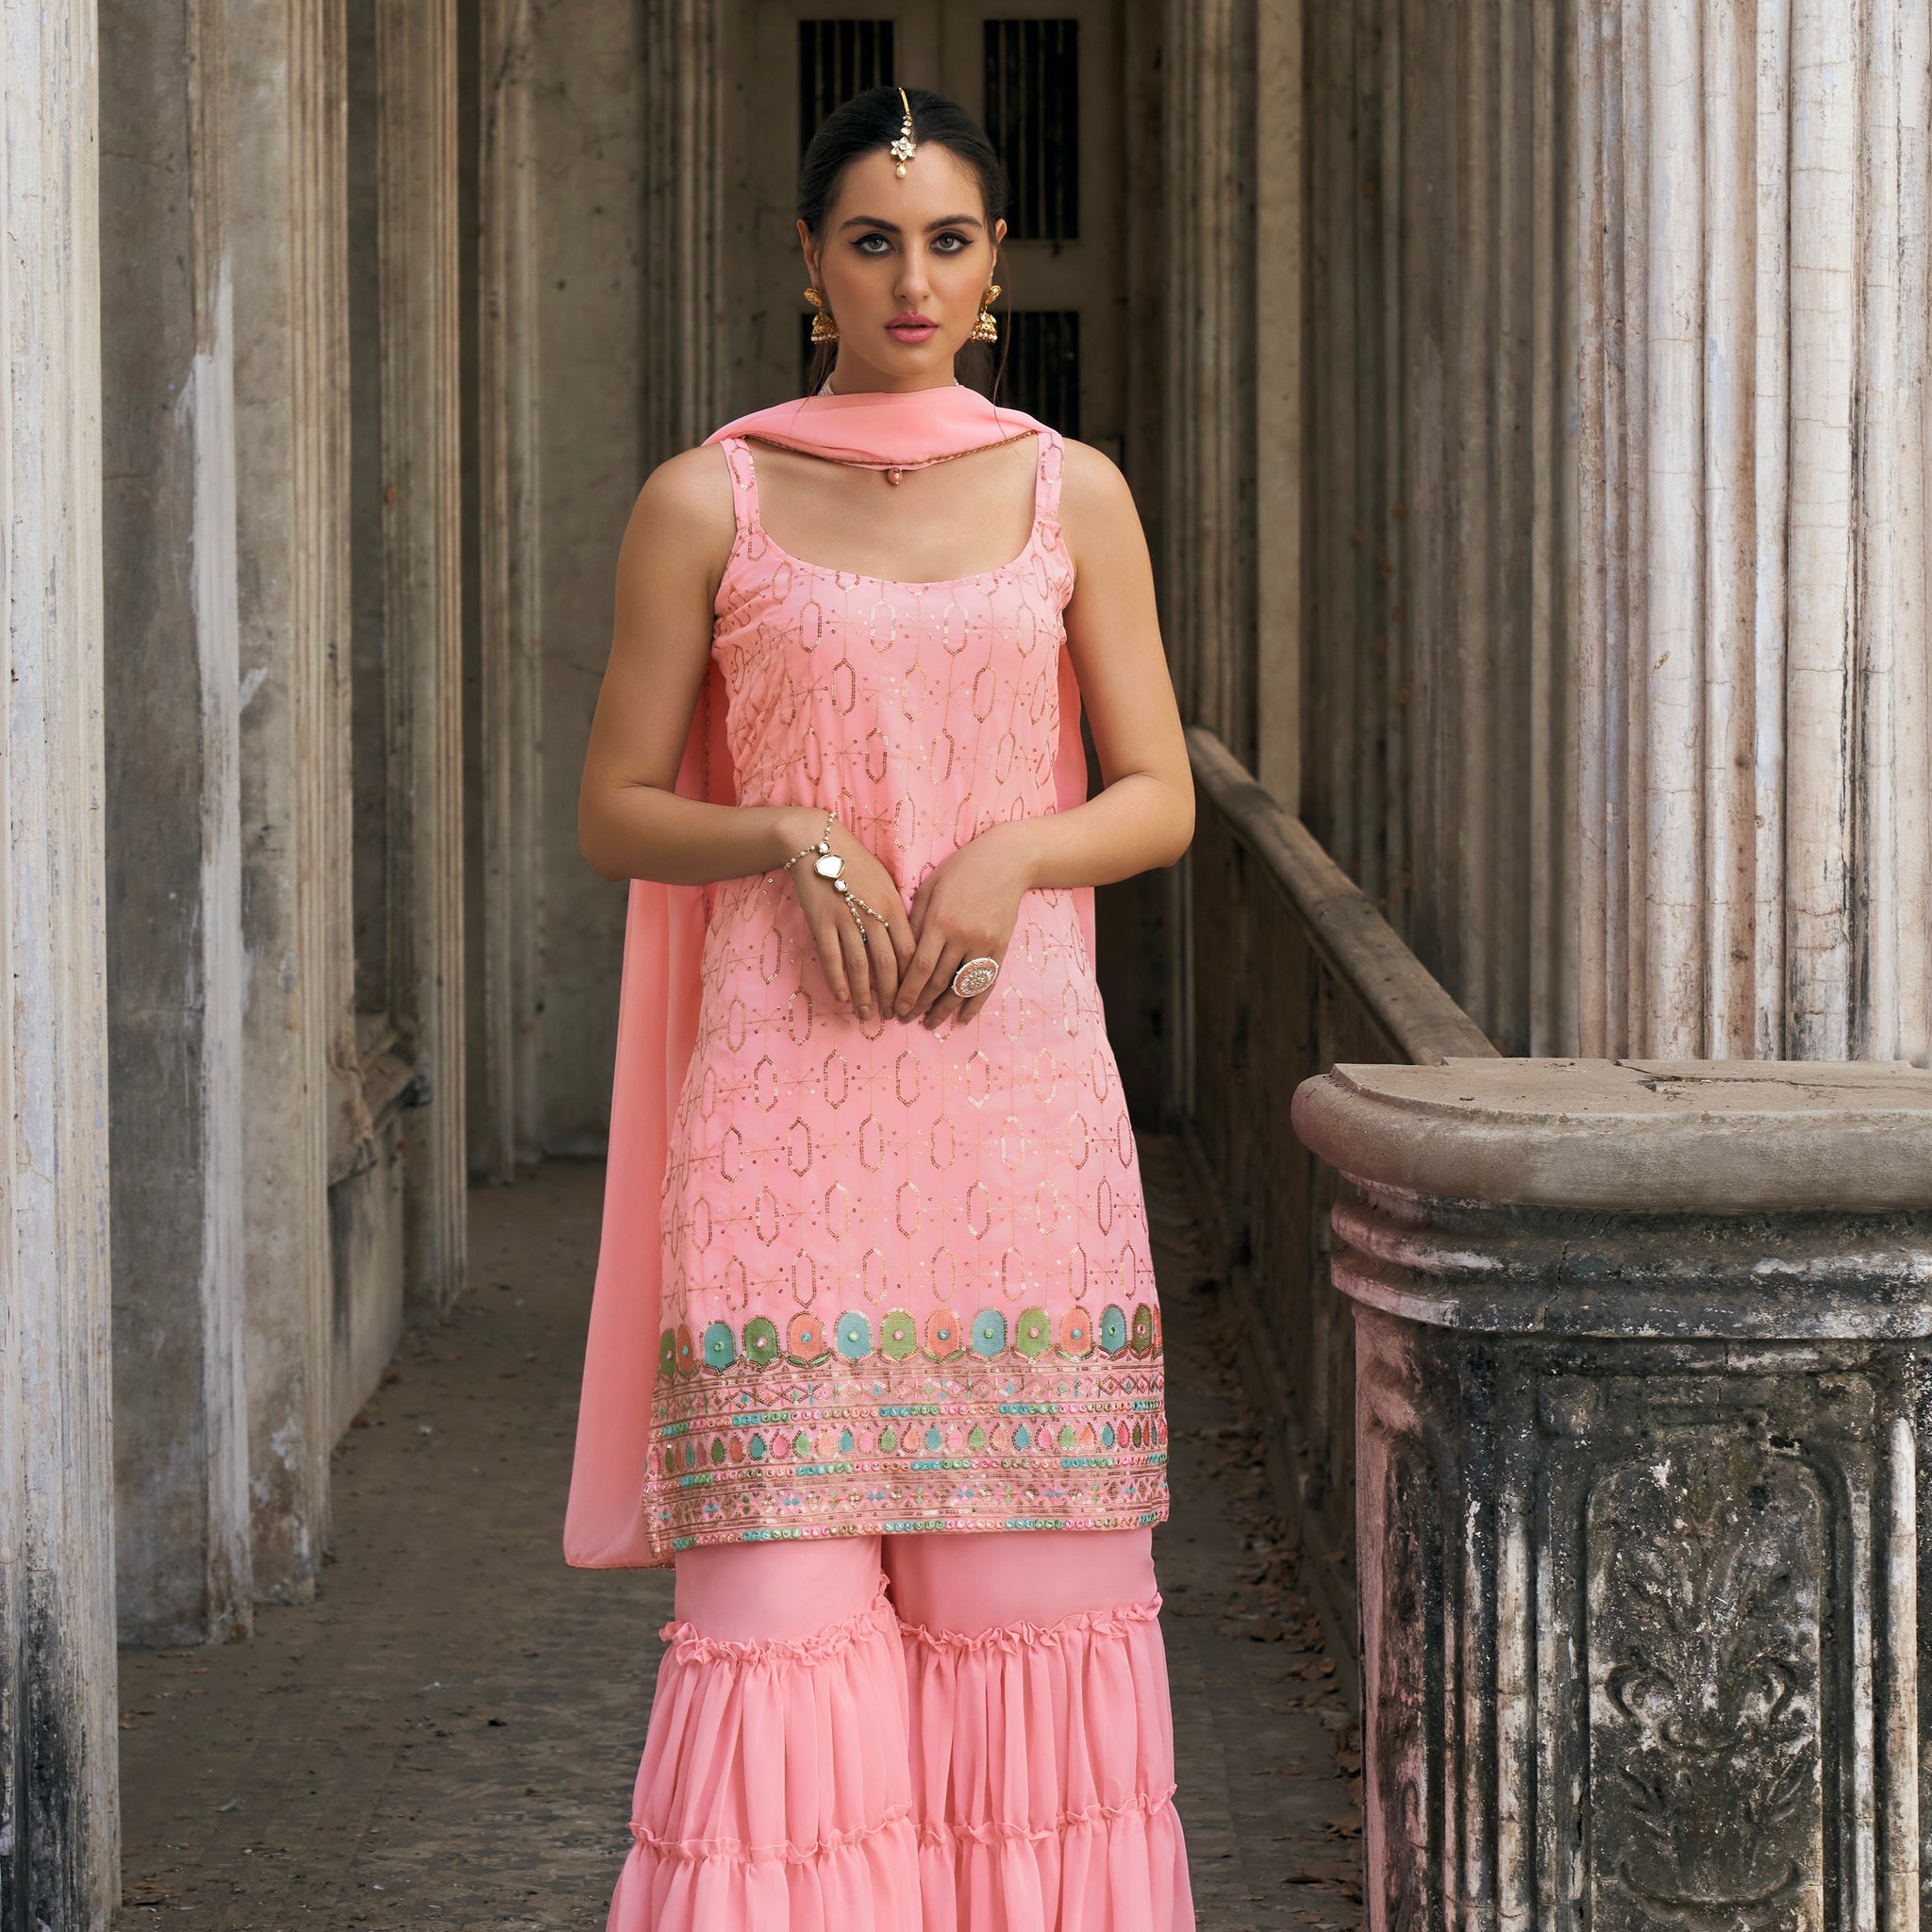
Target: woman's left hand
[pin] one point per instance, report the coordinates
(965, 909)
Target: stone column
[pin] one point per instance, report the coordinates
(1208, 578)
(596, 118)
(422, 535)
(175, 959)
(1207, 523)
(1755, 491)
(1437, 646)
(1280, 284)
(685, 325)
(504, 887)
(288, 233)
(59, 1836)
(1644, 1355)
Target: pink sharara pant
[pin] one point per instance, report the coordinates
(930, 1733)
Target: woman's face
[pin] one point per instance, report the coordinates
(901, 265)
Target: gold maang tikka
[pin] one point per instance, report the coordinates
(905, 147)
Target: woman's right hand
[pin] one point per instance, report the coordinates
(861, 968)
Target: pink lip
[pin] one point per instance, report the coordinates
(915, 327)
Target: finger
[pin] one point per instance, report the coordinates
(952, 1007)
(917, 978)
(934, 989)
(831, 953)
(884, 961)
(857, 965)
(822, 914)
(904, 941)
(946, 1002)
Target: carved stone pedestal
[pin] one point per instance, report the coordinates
(1643, 1371)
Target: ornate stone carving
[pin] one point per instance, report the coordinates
(1706, 1787)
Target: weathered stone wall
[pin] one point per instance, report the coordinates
(368, 1284)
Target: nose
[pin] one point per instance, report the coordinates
(915, 284)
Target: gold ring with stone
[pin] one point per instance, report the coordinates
(975, 976)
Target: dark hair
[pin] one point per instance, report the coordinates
(868, 124)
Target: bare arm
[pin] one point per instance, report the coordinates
(1144, 815)
(631, 824)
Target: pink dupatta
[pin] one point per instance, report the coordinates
(658, 1006)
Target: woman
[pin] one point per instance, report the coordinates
(878, 1366)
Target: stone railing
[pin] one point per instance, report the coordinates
(1290, 970)
(1645, 1354)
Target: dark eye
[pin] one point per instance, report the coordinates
(948, 244)
(864, 244)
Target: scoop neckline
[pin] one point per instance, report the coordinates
(866, 576)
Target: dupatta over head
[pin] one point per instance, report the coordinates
(658, 1009)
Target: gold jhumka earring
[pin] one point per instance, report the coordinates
(987, 329)
(823, 329)
(905, 147)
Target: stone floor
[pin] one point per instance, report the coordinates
(447, 1736)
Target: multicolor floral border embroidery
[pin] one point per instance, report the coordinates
(922, 1433)
(880, 1421)
(1032, 1333)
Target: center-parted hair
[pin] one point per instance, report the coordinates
(869, 124)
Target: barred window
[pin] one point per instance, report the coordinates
(1042, 367)
(837, 59)
(1033, 118)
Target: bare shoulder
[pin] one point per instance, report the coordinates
(1096, 507)
(1092, 488)
(684, 507)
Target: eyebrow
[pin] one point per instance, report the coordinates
(944, 222)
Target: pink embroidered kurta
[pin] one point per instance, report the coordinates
(905, 1279)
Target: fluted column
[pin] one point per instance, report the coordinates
(174, 825)
(506, 888)
(683, 289)
(1208, 580)
(285, 66)
(1281, 192)
(59, 1836)
(1756, 761)
(1412, 633)
(597, 94)
(421, 534)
